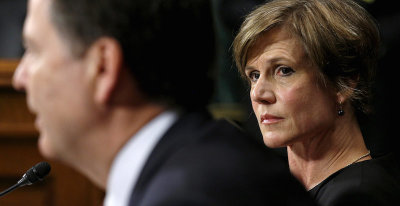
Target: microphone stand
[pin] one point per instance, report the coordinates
(37, 172)
(11, 188)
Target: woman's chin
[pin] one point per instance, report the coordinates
(274, 142)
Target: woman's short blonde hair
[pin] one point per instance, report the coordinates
(339, 36)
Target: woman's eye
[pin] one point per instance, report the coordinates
(254, 76)
(284, 71)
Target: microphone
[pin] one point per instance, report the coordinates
(37, 172)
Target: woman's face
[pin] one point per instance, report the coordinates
(289, 101)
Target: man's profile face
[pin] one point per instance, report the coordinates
(54, 82)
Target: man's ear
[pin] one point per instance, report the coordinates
(106, 62)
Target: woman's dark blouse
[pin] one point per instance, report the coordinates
(371, 182)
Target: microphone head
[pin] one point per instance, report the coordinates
(38, 172)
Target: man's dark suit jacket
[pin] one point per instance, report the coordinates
(204, 162)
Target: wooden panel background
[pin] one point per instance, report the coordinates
(18, 152)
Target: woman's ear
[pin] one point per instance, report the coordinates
(106, 62)
(347, 89)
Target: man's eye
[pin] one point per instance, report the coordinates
(284, 71)
(254, 76)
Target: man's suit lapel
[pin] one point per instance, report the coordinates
(185, 130)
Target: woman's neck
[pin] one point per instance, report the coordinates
(315, 159)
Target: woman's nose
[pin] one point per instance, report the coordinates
(262, 92)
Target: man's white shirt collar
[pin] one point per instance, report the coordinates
(130, 160)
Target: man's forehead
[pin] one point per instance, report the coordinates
(37, 13)
(38, 8)
(37, 22)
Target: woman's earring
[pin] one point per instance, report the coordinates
(340, 110)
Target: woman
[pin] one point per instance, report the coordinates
(310, 64)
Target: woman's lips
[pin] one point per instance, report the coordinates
(270, 119)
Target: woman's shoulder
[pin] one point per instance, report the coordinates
(379, 173)
(372, 182)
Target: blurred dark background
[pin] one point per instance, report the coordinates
(382, 129)
(12, 15)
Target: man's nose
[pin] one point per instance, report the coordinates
(20, 76)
